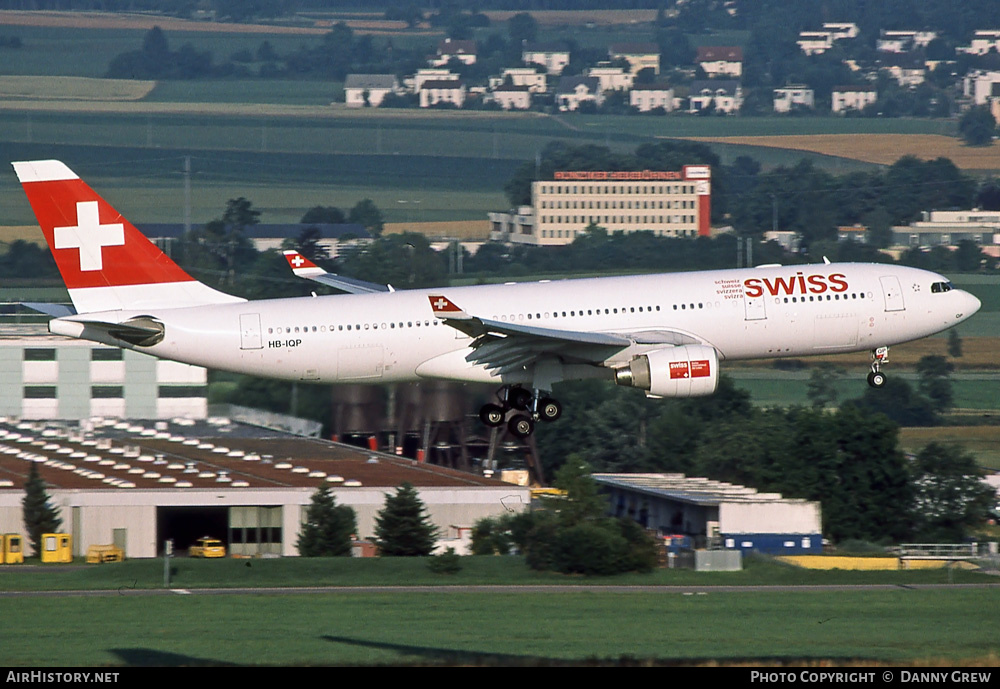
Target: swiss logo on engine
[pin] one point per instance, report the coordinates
(679, 369)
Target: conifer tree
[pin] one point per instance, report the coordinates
(403, 527)
(328, 528)
(39, 516)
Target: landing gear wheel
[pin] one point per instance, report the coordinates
(519, 398)
(522, 426)
(549, 409)
(876, 379)
(492, 415)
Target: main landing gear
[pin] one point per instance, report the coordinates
(876, 378)
(528, 407)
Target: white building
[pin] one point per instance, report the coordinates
(909, 71)
(722, 95)
(815, 42)
(714, 514)
(44, 376)
(793, 96)
(666, 203)
(361, 90)
(646, 97)
(904, 41)
(948, 228)
(981, 86)
(572, 91)
(451, 49)
(983, 42)
(720, 61)
(852, 97)
(511, 97)
(553, 58)
(522, 76)
(612, 78)
(443, 92)
(427, 74)
(639, 56)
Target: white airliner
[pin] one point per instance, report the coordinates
(665, 334)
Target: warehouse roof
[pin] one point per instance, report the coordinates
(700, 491)
(122, 455)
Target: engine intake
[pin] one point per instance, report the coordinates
(686, 371)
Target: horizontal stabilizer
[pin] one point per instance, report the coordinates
(54, 310)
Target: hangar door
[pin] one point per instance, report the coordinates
(255, 530)
(246, 530)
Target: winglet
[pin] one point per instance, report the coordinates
(302, 266)
(444, 307)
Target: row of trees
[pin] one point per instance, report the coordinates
(402, 527)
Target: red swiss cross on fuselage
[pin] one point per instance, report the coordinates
(444, 305)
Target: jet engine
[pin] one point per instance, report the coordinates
(685, 371)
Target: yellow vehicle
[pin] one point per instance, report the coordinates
(207, 547)
(57, 547)
(99, 554)
(11, 550)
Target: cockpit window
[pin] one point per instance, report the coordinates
(941, 287)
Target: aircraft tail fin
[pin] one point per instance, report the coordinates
(106, 263)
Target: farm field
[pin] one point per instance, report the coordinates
(883, 149)
(981, 441)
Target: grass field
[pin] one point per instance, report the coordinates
(449, 626)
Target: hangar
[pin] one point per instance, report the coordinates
(137, 484)
(715, 514)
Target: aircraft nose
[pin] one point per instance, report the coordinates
(970, 305)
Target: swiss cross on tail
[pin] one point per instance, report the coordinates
(93, 245)
(89, 236)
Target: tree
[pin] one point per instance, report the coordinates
(954, 344)
(977, 126)
(39, 516)
(522, 27)
(949, 496)
(308, 244)
(403, 527)
(330, 215)
(822, 387)
(935, 381)
(367, 214)
(329, 527)
(572, 533)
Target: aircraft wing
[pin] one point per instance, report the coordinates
(304, 268)
(504, 347)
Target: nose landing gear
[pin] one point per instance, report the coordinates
(529, 407)
(876, 378)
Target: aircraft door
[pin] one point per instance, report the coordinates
(250, 337)
(892, 293)
(754, 307)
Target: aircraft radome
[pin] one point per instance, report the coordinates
(665, 334)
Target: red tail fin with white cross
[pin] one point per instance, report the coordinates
(106, 263)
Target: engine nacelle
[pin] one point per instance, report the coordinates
(686, 371)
